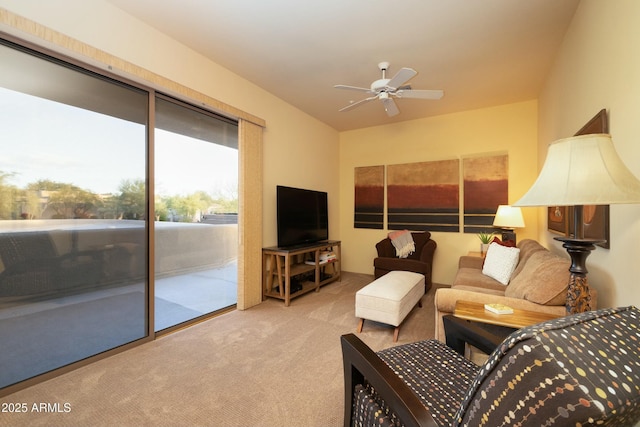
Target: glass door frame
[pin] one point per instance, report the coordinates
(56, 57)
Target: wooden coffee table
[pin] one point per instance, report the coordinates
(472, 324)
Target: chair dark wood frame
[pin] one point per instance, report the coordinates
(361, 362)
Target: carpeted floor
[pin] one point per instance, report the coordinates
(267, 366)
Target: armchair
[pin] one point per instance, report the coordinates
(582, 369)
(420, 261)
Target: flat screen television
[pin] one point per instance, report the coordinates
(303, 216)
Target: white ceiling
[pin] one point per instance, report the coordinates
(480, 52)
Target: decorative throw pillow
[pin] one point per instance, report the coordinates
(543, 279)
(500, 262)
(509, 243)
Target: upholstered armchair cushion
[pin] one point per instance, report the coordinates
(437, 375)
(557, 379)
(421, 261)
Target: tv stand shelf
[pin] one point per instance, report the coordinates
(283, 266)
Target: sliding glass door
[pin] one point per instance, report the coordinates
(77, 216)
(73, 241)
(196, 213)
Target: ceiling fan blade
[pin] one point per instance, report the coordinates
(362, 89)
(390, 107)
(421, 94)
(355, 104)
(401, 77)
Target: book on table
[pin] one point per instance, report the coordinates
(498, 308)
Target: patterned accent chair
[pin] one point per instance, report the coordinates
(580, 370)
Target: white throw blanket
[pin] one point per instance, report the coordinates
(403, 242)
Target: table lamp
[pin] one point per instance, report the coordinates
(581, 170)
(508, 217)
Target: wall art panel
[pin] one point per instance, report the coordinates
(486, 185)
(369, 197)
(424, 196)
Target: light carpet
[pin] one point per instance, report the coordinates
(270, 365)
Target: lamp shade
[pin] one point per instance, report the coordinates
(582, 170)
(508, 217)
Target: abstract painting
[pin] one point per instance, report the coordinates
(486, 185)
(369, 197)
(424, 196)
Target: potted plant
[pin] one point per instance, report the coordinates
(485, 238)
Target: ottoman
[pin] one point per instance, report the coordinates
(389, 299)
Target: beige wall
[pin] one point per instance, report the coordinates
(505, 129)
(598, 67)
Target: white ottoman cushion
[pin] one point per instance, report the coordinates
(390, 298)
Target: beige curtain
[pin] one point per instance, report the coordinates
(250, 215)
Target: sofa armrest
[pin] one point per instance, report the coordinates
(446, 298)
(470, 262)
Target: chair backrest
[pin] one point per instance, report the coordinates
(577, 370)
(386, 249)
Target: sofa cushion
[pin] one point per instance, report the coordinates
(473, 277)
(527, 248)
(543, 279)
(500, 262)
(480, 287)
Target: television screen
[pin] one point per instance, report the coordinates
(302, 216)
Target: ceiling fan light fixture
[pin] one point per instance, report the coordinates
(385, 89)
(379, 85)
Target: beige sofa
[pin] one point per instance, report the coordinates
(538, 283)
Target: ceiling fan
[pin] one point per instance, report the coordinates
(386, 89)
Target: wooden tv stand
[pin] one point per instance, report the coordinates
(280, 265)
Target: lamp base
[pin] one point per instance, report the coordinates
(508, 234)
(578, 295)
